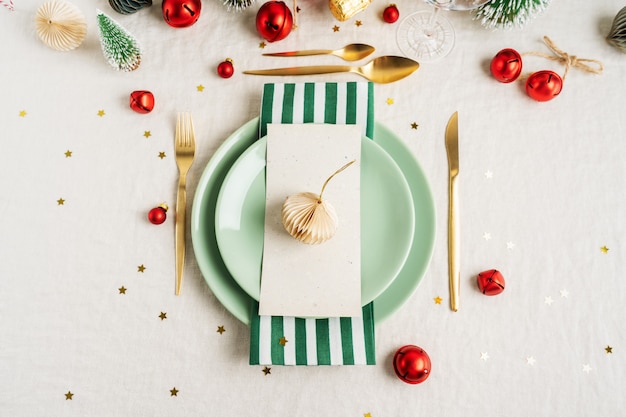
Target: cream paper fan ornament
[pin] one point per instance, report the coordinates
(60, 25)
(308, 217)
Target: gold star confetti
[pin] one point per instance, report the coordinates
(335, 28)
(60, 202)
(221, 329)
(367, 415)
(23, 113)
(163, 316)
(608, 349)
(282, 341)
(200, 88)
(122, 290)
(162, 155)
(147, 134)
(604, 249)
(141, 268)
(101, 113)
(358, 23)
(262, 45)
(68, 154)
(174, 392)
(298, 9)
(438, 300)
(267, 371)
(69, 395)
(390, 101)
(414, 125)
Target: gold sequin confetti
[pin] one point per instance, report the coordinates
(122, 290)
(147, 134)
(162, 155)
(68, 154)
(141, 268)
(69, 395)
(438, 300)
(604, 249)
(335, 28)
(282, 341)
(23, 113)
(200, 88)
(608, 349)
(414, 125)
(60, 202)
(163, 316)
(358, 23)
(262, 45)
(221, 329)
(101, 113)
(390, 101)
(267, 371)
(174, 392)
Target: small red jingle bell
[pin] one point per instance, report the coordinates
(181, 13)
(391, 14)
(274, 21)
(490, 282)
(158, 214)
(506, 66)
(544, 85)
(142, 101)
(226, 69)
(412, 364)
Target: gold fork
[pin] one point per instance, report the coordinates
(185, 147)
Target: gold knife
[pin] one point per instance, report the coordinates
(454, 240)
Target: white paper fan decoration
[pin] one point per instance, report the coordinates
(308, 217)
(60, 25)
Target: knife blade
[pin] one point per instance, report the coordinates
(454, 241)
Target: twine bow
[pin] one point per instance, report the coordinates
(570, 61)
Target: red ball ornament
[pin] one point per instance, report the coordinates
(181, 13)
(544, 85)
(158, 214)
(391, 14)
(506, 66)
(226, 69)
(412, 364)
(142, 101)
(274, 21)
(490, 282)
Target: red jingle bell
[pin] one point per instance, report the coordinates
(226, 69)
(490, 282)
(181, 13)
(544, 85)
(274, 21)
(506, 65)
(391, 14)
(142, 101)
(412, 364)
(158, 214)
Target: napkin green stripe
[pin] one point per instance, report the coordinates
(309, 103)
(330, 112)
(323, 342)
(301, 353)
(287, 116)
(278, 351)
(255, 335)
(368, 322)
(347, 348)
(351, 104)
(369, 127)
(266, 108)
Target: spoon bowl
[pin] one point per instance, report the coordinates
(384, 69)
(351, 52)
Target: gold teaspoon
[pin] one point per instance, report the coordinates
(384, 69)
(352, 52)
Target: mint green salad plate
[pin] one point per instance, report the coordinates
(234, 298)
(387, 219)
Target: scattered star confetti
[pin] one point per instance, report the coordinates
(163, 316)
(358, 23)
(162, 155)
(101, 113)
(484, 356)
(564, 293)
(147, 134)
(438, 300)
(414, 125)
(141, 268)
(587, 368)
(510, 245)
(262, 45)
(390, 101)
(200, 88)
(23, 113)
(122, 290)
(488, 174)
(367, 415)
(60, 202)
(68, 154)
(298, 9)
(608, 349)
(221, 329)
(530, 360)
(487, 236)
(69, 395)
(282, 341)
(174, 392)
(604, 249)
(335, 28)
(548, 300)
(267, 371)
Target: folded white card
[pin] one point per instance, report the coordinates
(298, 279)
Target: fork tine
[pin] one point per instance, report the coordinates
(192, 139)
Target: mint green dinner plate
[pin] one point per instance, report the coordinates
(234, 298)
(387, 219)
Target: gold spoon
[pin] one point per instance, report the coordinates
(384, 69)
(352, 52)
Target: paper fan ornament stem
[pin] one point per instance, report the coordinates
(119, 47)
(308, 217)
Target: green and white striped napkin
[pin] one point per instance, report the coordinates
(278, 340)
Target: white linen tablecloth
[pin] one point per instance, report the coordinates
(90, 325)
